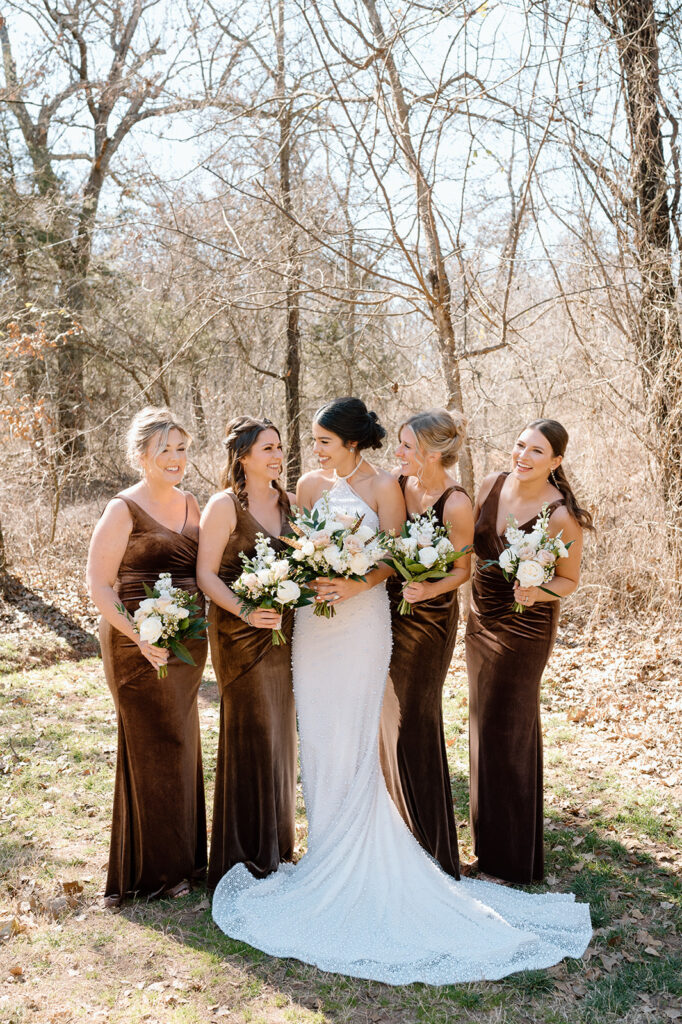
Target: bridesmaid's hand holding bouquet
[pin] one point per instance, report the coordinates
(334, 546)
(166, 618)
(422, 551)
(530, 560)
(267, 582)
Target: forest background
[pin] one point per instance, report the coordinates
(250, 206)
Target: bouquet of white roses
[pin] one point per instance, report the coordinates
(421, 551)
(167, 617)
(531, 557)
(267, 582)
(334, 545)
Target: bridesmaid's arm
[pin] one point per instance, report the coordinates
(459, 513)
(567, 574)
(218, 522)
(107, 548)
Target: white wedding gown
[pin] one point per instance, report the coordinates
(366, 900)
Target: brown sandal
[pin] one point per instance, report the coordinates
(183, 888)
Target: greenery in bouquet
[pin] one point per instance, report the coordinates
(531, 557)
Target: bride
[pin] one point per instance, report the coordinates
(366, 900)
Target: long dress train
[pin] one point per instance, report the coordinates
(366, 900)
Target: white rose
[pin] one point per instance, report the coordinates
(334, 558)
(535, 538)
(175, 611)
(365, 533)
(308, 548)
(162, 604)
(359, 563)
(428, 556)
(280, 569)
(250, 581)
(424, 538)
(148, 604)
(265, 577)
(151, 629)
(530, 573)
(298, 554)
(444, 547)
(288, 592)
(345, 520)
(333, 525)
(507, 560)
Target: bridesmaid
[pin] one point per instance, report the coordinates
(255, 791)
(412, 740)
(507, 653)
(158, 835)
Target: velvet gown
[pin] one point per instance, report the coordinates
(158, 833)
(412, 742)
(255, 791)
(506, 655)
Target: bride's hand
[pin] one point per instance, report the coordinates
(335, 591)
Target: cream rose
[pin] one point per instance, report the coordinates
(359, 563)
(151, 629)
(428, 557)
(288, 592)
(525, 551)
(530, 573)
(546, 558)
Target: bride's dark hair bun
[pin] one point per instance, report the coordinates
(351, 420)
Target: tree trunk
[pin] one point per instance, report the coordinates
(438, 283)
(292, 369)
(634, 29)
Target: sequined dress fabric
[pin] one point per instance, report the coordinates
(366, 900)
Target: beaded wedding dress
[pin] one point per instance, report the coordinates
(366, 900)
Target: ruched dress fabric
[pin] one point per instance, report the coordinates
(506, 654)
(413, 753)
(158, 834)
(254, 808)
(366, 900)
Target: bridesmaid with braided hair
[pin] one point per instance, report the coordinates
(507, 653)
(255, 789)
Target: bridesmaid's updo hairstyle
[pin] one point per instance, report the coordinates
(557, 435)
(351, 420)
(148, 433)
(438, 430)
(241, 434)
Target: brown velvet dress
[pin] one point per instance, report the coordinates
(158, 834)
(506, 655)
(255, 790)
(412, 741)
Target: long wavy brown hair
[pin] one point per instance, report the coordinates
(241, 434)
(557, 435)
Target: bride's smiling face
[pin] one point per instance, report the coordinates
(332, 452)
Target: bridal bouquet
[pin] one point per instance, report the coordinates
(531, 557)
(167, 617)
(267, 582)
(421, 551)
(334, 545)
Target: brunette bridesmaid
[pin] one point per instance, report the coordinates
(255, 791)
(158, 835)
(412, 740)
(507, 652)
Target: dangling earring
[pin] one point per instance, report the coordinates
(352, 450)
(553, 479)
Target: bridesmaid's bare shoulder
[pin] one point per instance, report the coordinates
(220, 507)
(561, 519)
